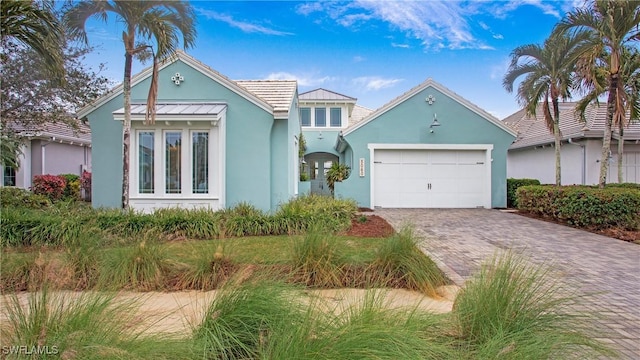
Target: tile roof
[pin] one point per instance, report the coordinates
(324, 95)
(59, 130)
(532, 131)
(358, 114)
(277, 93)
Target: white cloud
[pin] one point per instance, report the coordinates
(375, 82)
(244, 26)
(404, 46)
(501, 9)
(358, 58)
(498, 36)
(437, 24)
(303, 80)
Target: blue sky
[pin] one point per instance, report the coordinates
(371, 50)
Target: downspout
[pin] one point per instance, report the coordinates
(584, 160)
(42, 148)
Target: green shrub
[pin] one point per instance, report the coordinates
(515, 310)
(512, 187)
(12, 197)
(624, 185)
(72, 187)
(304, 211)
(583, 206)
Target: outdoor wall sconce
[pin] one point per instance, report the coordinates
(434, 123)
(320, 135)
(177, 78)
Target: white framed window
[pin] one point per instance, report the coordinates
(335, 117)
(174, 162)
(321, 117)
(146, 162)
(305, 116)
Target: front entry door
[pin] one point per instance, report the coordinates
(319, 168)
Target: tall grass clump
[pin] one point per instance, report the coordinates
(18, 272)
(144, 266)
(316, 259)
(515, 310)
(366, 330)
(244, 319)
(83, 258)
(400, 263)
(205, 268)
(245, 219)
(79, 326)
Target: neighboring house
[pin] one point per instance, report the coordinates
(219, 142)
(50, 148)
(532, 155)
(216, 142)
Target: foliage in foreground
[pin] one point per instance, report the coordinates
(81, 326)
(510, 310)
(24, 223)
(514, 310)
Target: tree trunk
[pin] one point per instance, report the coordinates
(558, 139)
(126, 129)
(620, 152)
(606, 139)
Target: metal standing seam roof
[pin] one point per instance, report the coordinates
(177, 109)
(533, 131)
(277, 93)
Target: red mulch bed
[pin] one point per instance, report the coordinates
(375, 226)
(616, 233)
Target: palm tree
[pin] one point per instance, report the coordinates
(34, 25)
(614, 23)
(594, 81)
(548, 72)
(159, 23)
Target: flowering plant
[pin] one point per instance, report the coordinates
(51, 186)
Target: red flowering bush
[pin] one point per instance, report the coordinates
(85, 183)
(51, 186)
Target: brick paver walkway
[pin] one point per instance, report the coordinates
(459, 240)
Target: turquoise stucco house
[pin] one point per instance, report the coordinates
(218, 142)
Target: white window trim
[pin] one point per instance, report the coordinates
(217, 143)
(328, 127)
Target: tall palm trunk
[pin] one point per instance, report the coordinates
(126, 128)
(620, 152)
(606, 140)
(558, 139)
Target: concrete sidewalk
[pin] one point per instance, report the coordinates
(459, 240)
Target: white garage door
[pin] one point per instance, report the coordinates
(431, 179)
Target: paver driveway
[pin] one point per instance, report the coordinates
(460, 239)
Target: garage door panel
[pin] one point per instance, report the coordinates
(414, 157)
(430, 178)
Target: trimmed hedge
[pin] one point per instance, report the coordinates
(583, 206)
(512, 187)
